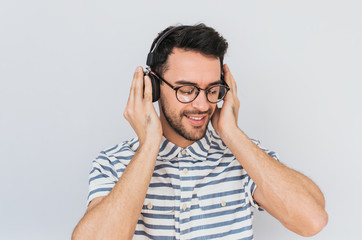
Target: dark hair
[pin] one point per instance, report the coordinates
(199, 38)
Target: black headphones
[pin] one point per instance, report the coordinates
(155, 81)
(151, 61)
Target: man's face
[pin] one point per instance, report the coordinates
(184, 123)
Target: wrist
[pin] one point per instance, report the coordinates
(227, 131)
(150, 145)
(229, 135)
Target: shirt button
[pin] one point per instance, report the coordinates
(184, 206)
(223, 203)
(185, 171)
(149, 206)
(184, 152)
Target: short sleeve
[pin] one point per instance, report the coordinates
(250, 187)
(103, 175)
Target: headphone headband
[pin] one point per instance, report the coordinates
(151, 55)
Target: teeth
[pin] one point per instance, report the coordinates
(195, 118)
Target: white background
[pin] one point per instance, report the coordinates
(65, 72)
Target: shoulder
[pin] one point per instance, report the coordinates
(122, 152)
(125, 146)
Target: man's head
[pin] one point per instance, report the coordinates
(199, 38)
(192, 56)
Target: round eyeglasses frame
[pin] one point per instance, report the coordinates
(227, 88)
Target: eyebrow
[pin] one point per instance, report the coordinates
(184, 82)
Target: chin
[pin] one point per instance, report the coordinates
(194, 133)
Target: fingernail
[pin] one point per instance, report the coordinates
(138, 69)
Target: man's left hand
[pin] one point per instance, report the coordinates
(225, 119)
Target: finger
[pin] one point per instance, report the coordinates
(138, 83)
(148, 89)
(133, 83)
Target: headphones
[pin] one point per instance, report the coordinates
(155, 81)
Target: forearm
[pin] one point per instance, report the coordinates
(116, 216)
(288, 195)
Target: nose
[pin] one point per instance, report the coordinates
(201, 103)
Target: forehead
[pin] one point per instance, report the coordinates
(192, 66)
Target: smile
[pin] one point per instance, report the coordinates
(195, 118)
(196, 121)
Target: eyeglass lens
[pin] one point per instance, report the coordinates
(214, 94)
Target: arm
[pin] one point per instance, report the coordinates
(289, 196)
(115, 216)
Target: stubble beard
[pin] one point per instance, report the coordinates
(175, 121)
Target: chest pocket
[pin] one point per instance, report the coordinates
(159, 201)
(157, 217)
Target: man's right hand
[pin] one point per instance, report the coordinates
(115, 216)
(140, 112)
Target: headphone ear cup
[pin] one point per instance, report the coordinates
(221, 93)
(155, 87)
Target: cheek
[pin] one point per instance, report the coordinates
(170, 102)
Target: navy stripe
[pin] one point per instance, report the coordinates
(163, 166)
(158, 227)
(222, 194)
(158, 216)
(163, 146)
(191, 161)
(106, 169)
(103, 158)
(160, 184)
(166, 175)
(161, 197)
(219, 235)
(143, 233)
(100, 190)
(100, 176)
(203, 149)
(229, 179)
(197, 154)
(171, 152)
(124, 157)
(111, 149)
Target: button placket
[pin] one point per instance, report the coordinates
(186, 194)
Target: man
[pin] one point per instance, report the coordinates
(181, 179)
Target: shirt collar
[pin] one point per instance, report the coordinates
(198, 150)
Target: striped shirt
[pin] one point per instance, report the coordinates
(200, 192)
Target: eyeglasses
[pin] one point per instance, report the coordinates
(188, 93)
